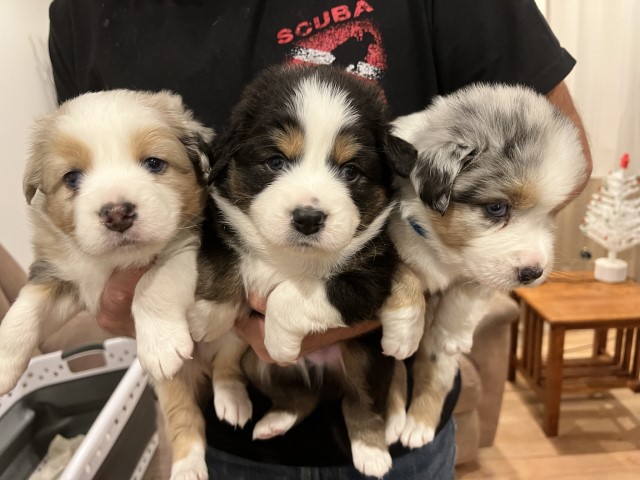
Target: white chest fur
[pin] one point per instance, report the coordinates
(259, 276)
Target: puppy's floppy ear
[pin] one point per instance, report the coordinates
(401, 155)
(199, 150)
(193, 134)
(224, 147)
(197, 140)
(32, 178)
(228, 143)
(436, 171)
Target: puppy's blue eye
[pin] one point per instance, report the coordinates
(154, 165)
(497, 210)
(72, 179)
(349, 172)
(276, 163)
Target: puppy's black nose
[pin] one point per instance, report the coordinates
(308, 220)
(529, 274)
(118, 216)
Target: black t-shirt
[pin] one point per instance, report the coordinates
(208, 50)
(320, 440)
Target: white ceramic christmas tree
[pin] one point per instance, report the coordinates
(613, 220)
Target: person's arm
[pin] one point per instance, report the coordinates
(114, 316)
(251, 329)
(561, 99)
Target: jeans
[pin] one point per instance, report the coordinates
(434, 461)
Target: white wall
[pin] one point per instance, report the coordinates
(604, 37)
(542, 5)
(23, 97)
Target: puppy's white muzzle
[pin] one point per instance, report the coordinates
(306, 208)
(124, 208)
(521, 254)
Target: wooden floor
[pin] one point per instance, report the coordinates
(599, 435)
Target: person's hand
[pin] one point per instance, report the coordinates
(251, 328)
(114, 314)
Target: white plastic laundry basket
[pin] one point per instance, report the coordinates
(98, 390)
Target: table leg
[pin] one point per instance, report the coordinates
(628, 342)
(600, 341)
(635, 372)
(553, 385)
(538, 330)
(513, 350)
(634, 384)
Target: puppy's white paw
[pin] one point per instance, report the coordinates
(394, 426)
(10, 370)
(274, 424)
(288, 320)
(397, 348)
(416, 434)
(191, 467)
(401, 331)
(370, 461)
(232, 403)
(162, 355)
(210, 320)
(281, 354)
(452, 343)
(283, 346)
(208, 333)
(452, 347)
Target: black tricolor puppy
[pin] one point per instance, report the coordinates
(302, 180)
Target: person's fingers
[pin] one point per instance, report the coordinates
(257, 302)
(318, 341)
(114, 314)
(117, 326)
(251, 328)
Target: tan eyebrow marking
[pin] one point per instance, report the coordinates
(289, 141)
(523, 196)
(345, 147)
(72, 150)
(160, 142)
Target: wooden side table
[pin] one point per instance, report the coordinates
(575, 301)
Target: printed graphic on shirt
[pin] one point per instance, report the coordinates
(339, 36)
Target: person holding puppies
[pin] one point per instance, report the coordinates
(207, 51)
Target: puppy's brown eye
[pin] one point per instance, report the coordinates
(72, 179)
(497, 210)
(276, 163)
(154, 165)
(350, 172)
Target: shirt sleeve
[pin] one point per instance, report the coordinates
(506, 41)
(61, 50)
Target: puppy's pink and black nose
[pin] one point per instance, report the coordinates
(118, 216)
(527, 275)
(308, 220)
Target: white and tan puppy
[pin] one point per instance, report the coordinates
(115, 179)
(494, 164)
